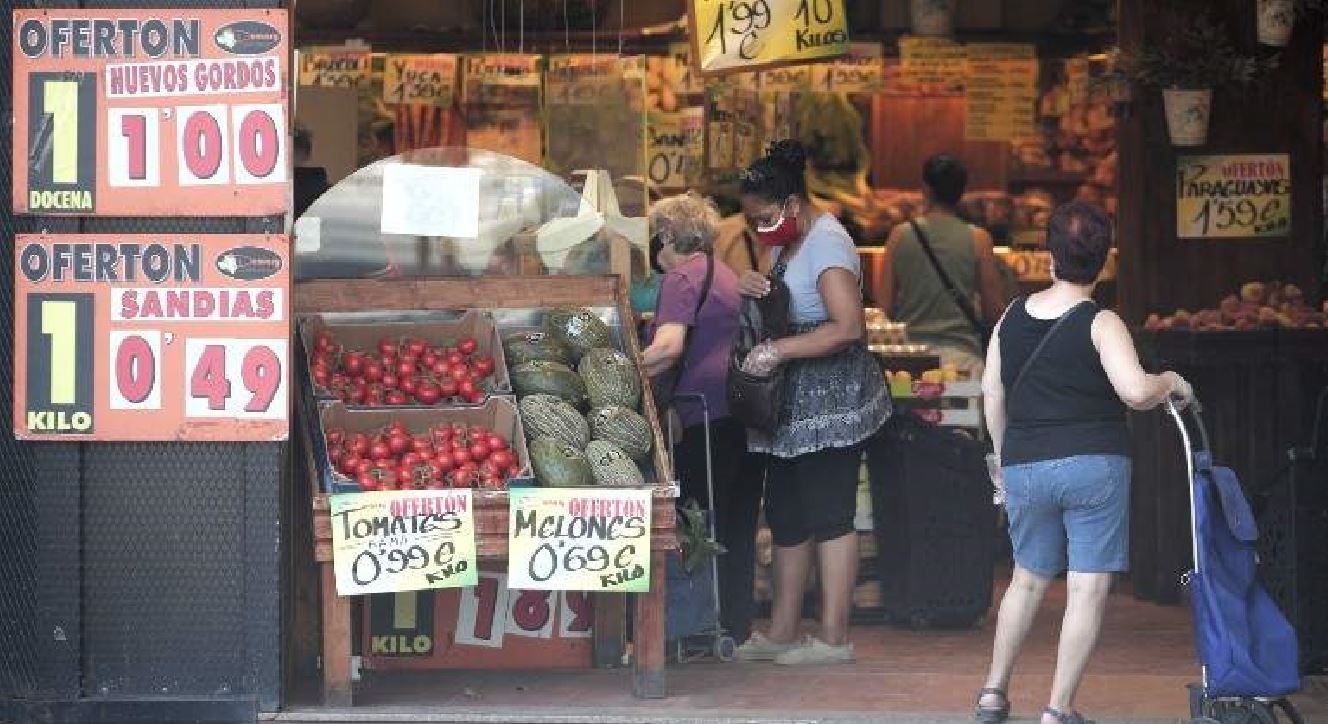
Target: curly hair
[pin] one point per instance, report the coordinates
(779, 174)
(691, 222)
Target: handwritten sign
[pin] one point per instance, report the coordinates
(676, 148)
(861, 71)
(744, 35)
(502, 79)
(932, 65)
(587, 80)
(335, 67)
(566, 539)
(431, 201)
(424, 80)
(1001, 92)
(788, 79)
(407, 540)
(1233, 196)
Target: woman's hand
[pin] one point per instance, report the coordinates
(753, 284)
(762, 360)
(1182, 393)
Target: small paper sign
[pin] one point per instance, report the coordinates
(744, 35)
(568, 539)
(424, 80)
(431, 201)
(334, 67)
(676, 148)
(409, 540)
(1233, 196)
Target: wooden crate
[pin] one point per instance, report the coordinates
(333, 296)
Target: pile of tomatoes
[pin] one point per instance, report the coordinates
(407, 371)
(447, 456)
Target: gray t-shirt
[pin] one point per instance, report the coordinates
(828, 245)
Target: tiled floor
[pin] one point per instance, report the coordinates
(1139, 674)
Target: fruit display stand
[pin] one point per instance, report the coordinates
(510, 300)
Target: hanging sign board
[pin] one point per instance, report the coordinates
(574, 539)
(744, 35)
(1001, 92)
(1233, 196)
(135, 337)
(150, 112)
(502, 79)
(420, 80)
(930, 66)
(861, 71)
(336, 67)
(404, 540)
(676, 148)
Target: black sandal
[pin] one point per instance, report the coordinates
(992, 714)
(1071, 717)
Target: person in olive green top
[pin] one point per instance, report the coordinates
(912, 292)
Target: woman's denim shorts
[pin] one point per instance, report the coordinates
(1071, 512)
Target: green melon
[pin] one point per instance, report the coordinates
(522, 347)
(559, 465)
(611, 378)
(622, 427)
(578, 328)
(549, 378)
(548, 416)
(611, 467)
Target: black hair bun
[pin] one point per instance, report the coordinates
(789, 153)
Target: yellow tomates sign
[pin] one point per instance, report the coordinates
(743, 35)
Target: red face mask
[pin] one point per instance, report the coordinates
(781, 233)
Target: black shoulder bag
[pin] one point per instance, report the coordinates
(960, 299)
(758, 401)
(666, 384)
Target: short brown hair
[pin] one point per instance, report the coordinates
(1079, 238)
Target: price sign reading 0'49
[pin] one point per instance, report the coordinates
(150, 112)
(572, 539)
(743, 35)
(135, 337)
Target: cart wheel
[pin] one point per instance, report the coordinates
(1243, 711)
(726, 649)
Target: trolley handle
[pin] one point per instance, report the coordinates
(1189, 420)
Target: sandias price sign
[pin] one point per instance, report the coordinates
(413, 540)
(742, 35)
(150, 112)
(125, 337)
(573, 539)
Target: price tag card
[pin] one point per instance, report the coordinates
(136, 337)
(406, 540)
(150, 112)
(1233, 196)
(336, 67)
(573, 539)
(431, 201)
(744, 35)
(676, 148)
(421, 80)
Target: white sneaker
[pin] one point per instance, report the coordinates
(814, 652)
(760, 648)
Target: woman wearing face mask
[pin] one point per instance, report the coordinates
(696, 321)
(835, 398)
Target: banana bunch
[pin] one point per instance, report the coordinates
(664, 76)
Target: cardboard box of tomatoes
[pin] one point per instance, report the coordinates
(379, 363)
(481, 447)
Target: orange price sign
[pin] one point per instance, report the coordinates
(131, 337)
(150, 112)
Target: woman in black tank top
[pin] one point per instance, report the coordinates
(1060, 374)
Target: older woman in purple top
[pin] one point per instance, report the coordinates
(696, 321)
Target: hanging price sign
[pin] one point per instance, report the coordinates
(1233, 196)
(676, 148)
(151, 338)
(744, 35)
(341, 67)
(407, 540)
(421, 80)
(566, 539)
(150, 112)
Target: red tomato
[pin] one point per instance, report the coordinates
(364, 466)
(455, 358)
(398, 443)
(475, 398)
(396, 427)
(368, 483)
(440, 369)
(335, 437)
(444, 462)
(323, 339)
(357, 395)
(373, 372)
(502, 459)
(421, 444)
(405, 368)
(380, 451)
(460, 458)
(479, 451)
(353, 363)
(428, 393)
(321, 376)
(448, 387)
(349, 465)
(467, 389)
(396, 397)
(416, 347)
(387, 346)
(483, 366)
(411, 459)
(359, 444)
(496, 442)
(467, 346)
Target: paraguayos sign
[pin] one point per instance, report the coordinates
(137, 337)
(150, 112)
(742, 35)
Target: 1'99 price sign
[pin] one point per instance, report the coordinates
(154, 117)
(98, 358)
